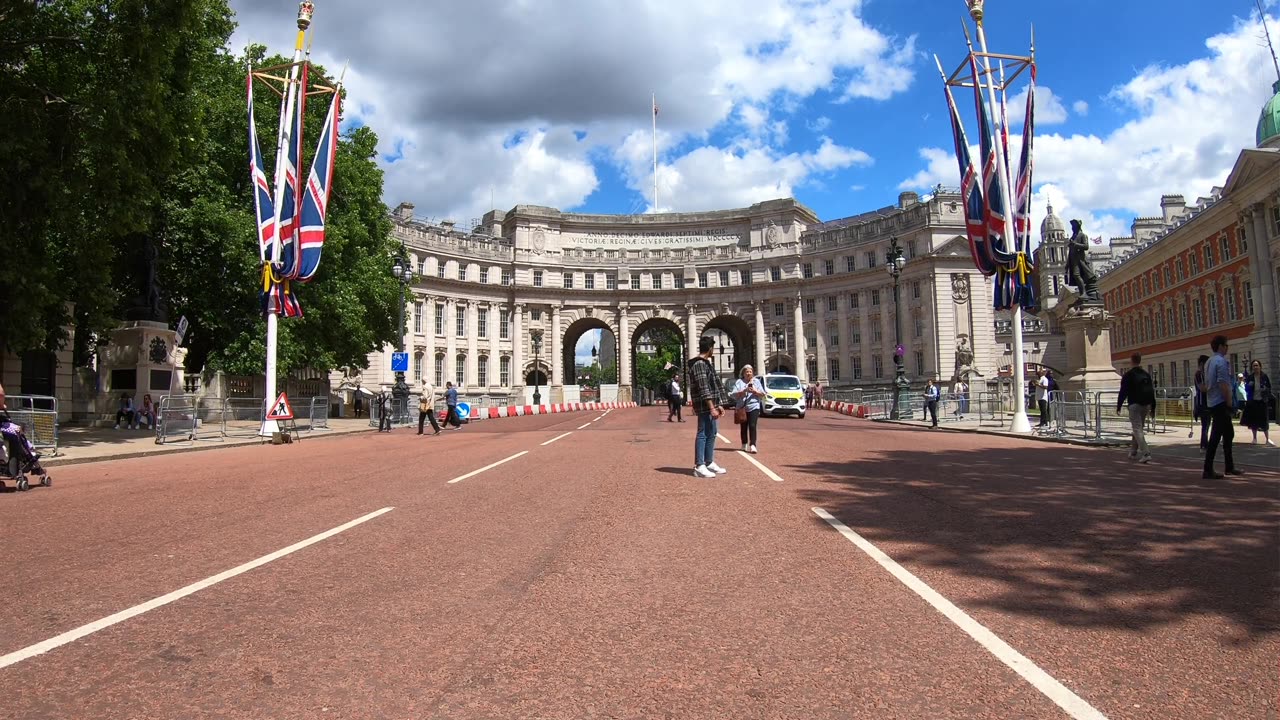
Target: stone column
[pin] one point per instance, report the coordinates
(820, 329)
(691, 332)
(557, 369)
(762, 341)
(473, 343)
(624, 353)
(842, 318)
(517, 346)
(429, 331)
(451, 340)
(1264, 300)
(798, 346)
(495, 350)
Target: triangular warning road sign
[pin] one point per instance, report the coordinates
(281, 409)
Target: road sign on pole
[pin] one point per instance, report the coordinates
(399, 362)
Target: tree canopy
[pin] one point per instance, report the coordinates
(127, 124)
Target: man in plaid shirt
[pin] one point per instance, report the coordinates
(709, 401)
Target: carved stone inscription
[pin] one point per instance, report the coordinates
(653, 238)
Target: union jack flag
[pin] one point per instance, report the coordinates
(1022, 203)
(971, 191)
(315, 199)
(992, 182)
(288, 258)
(264, 208)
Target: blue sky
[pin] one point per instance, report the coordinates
(835, 102)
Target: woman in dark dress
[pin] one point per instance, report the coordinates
(1257, 393)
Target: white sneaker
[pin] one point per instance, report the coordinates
(702, 471)
(716, 469)
(754, 450)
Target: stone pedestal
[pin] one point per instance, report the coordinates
(142, 357)
(1088, 330)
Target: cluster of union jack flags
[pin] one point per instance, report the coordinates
(994, 255)
(291, 237)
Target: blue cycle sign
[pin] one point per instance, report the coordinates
(399, 362)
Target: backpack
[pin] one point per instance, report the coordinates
(1143, 390)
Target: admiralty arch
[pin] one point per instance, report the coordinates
(784, 290)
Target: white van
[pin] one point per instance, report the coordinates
(783, 395)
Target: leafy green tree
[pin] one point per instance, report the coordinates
(651, 370)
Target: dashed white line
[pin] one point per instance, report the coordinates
(584, 427)
(1072, 704)
(565, 435)
(72, 635)
(490, 466)
(769, 473)
(725, 439)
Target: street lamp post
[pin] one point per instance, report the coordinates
(400, 391)
(779, 335)
(896, 263)
(536, 336)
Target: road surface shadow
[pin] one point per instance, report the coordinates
(1072, 535)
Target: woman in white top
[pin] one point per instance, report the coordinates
(748, 391)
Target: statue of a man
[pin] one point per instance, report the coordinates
(1080, 271)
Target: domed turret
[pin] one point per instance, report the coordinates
(1269, 121)
(1052, 227)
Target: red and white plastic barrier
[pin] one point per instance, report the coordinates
(492, 413)
(844, 408)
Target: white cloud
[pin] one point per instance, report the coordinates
(1080, 107)
(1049, 107)
(1189, 126)
(530, 113)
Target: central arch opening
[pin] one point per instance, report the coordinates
(658, 349)
(590, 356)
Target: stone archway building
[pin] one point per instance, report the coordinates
(770, 269)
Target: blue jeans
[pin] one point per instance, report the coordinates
(704, 446)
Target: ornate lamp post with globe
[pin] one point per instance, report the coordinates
(896, 262)
(536, 336)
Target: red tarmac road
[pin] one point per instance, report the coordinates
(595, 577)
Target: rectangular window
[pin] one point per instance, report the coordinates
(1185, 326)
(679, 282)
(1213, 308)
(535, 315)
(1195, 264)
(1229, 301)
(506, 277)
(911, 249)
(460, 323)
(829, 267)
(919, 326)
(919, 362)
(462, 272)
(1182, 268)
(833, 336)
(635, 282)
(877, 332)
(484, 276)
(871, 262)
(778, 310)
(417, 320)
(442, 268)
(566, 280)
(808, 270)
(724, 278)
(1186, 372)
(439, 370)
(812, 367)
(1224, 248)
(439, 318)
(1248, 299)
(504, 325)
(1275, 221)
(422, 269)
(832, 300)
(610, 282)
(459, 369)
(857, 368)
(1168, 276)
(855, 336)
(775, 273)
(833, 369)
(745, 275)
(1197, 314)
(1242, 239)
(849, 263)
(417, 366)
(877, 366)
(875, 298)
(702, 280)
(853, 301)
(482, 371)
(537, 278)
(810, 306)
(591, 281)
(1208, 256)
(915, 289)
(504, 372)
(482, 323)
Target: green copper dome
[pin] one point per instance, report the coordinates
(1269, 121)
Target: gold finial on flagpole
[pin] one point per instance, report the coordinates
(305, 9)
(975, 10)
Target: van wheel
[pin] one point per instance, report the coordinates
(801, 416)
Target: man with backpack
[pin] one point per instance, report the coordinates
(1140, 390)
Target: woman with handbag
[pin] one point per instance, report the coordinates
(1257, 393)
(746, 413)
(427, 407)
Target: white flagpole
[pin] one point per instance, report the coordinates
(655, 152)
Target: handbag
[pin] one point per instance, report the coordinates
(740, 415)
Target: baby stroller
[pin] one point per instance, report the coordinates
(18, 458)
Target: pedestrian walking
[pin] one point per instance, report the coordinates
(451, 405)
(675, 399)
(1140, 390)
(747, 392)
(1200, 408)
(1257, 393)
(960, 394)
(356, 402)
(709, 399)
(931, 394)
(427, 407)
(1047, 386)
(384, 415)
(1218, 397)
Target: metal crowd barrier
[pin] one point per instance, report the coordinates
(318, 416)
(403, 411)
(190, 419)
(38, 416)
(994, 408)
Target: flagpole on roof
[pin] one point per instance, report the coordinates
(655, 152)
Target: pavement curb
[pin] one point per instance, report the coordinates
(997, 433)
(59, 462)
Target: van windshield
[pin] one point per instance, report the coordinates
(785, 382)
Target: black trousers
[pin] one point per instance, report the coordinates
(425, 415)
(384, 419)
(748, 428)
(1044, 413)
(931, 406)
(673, 407)
(451, 417)
(1205, 419)
(1223, 432)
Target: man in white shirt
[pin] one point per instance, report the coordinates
(1045, 386)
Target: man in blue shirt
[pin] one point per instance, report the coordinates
(451, 402)
(1218, 398)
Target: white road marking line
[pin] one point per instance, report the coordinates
(490, 466)
(584, 427)
(598, 419)
(1072, 704)
(72, 635)
(725, 439)
(771, 474)
(557, 438)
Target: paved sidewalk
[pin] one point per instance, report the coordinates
(80, 444)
